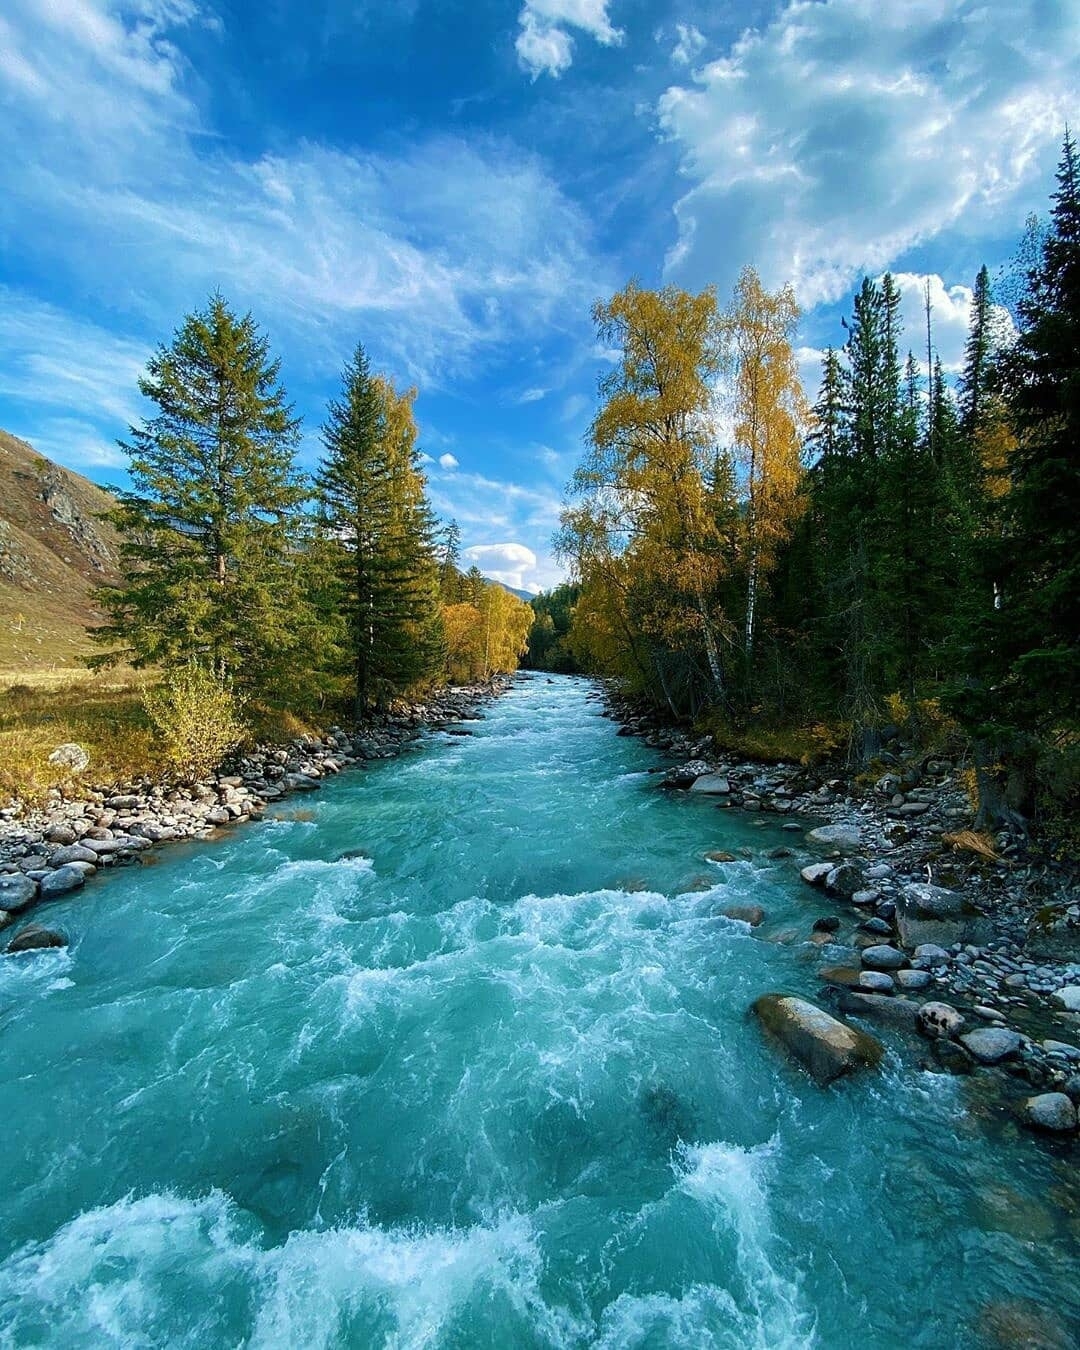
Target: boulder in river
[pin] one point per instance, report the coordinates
(825, 1046)
(17, 892)
(684, 775)
(815, 873)
(35, 938)
(992, 1045)
(939, 1019)
(1050, 1111)
(712, 784)
(883, 957)
(751, 914)
(67, 878)
(883, 1007)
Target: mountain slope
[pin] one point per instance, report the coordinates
(54, 549)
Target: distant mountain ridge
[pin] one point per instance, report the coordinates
(521, 595)
(54, 550)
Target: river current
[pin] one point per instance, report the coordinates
(455, 1053)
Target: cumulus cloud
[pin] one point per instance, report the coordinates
(543, 44)
(845, 132)
(447, 461)
(532, 395)
(950, 317)
(509, 563)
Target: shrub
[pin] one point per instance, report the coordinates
(197, 720)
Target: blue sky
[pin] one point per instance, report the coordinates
(454, 182)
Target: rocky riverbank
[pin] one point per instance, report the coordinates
(967, 946)
(48, 853)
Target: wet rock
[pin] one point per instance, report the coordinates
(815, 873)
(1068, 997)
(843, 977)
(901, 1012)
(825, 1046)
(876, 982)
(1023, 1325)
(300, 782)
(844, 838)
(73, 853)
(913, 980)
(952, 1057)
(754, 915)
(865, 897)
(712, 784)
(720, 855)
(939, 1019)
(1050, 1111)
(684, 775)
(882, 957)
(60, 834)
(931, 955)
(67, 878)
(844, 881)
(33, 938)
(829, 923)
(17, 892)
(992, 1045)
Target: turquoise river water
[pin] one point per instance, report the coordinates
(455, 1053)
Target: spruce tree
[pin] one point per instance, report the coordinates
(209, 522)
(1038, 632)
(374, 514)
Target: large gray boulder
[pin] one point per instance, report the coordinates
(938, 1019)
(1050, 1111)
(685, 775)
(929, 915)
(902, 1012)
(712, 784)
(883, 957)
(67, 878)
(991, 1045)
(73, 853)
(825, 1046)
(71, 756)
(844, 838)
(17, 892)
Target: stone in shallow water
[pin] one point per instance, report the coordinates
(913, 979)
(713, 784)
(825, 1046)
(876, 982)
(67, 878)
(33, 938)
(1050, 1111)
(751, 914)
(992, 1045)
(815, 873)
(882, 957)
(17, 892)
(939, 1019)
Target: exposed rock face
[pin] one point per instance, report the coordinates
(825, 1046)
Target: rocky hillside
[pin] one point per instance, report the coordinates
(54, 549)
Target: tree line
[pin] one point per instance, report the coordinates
(245, 580)
(906, 548)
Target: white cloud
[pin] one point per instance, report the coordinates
(447, 461)
(690, 44)
(543, 43)
(509, 563)
(846, 132)
(950, 317)
(533, 395)
(320, 241)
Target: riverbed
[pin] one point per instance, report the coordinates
(455, 1053)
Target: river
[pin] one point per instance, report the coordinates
(455, 1053)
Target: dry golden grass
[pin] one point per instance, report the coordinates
(104, 714)
(968, 841)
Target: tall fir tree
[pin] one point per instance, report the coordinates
(209, 524)
(374, 513)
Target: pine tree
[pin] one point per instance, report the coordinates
(209, 523)
(374, 510)
(1039, 561)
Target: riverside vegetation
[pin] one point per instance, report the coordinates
(877, 594)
